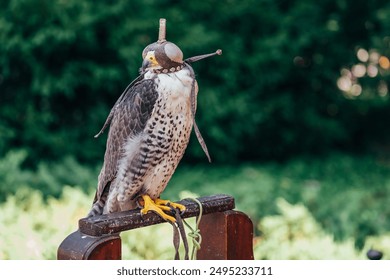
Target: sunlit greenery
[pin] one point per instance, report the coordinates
(294, 234)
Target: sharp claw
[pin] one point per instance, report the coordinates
(158, 206)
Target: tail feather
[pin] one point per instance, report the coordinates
(98, 206)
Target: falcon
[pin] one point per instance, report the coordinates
(150, 127)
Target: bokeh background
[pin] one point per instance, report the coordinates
(295, 114)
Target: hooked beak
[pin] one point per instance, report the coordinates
(146, 64)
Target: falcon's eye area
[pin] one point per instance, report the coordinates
(151, 57)
(150, 60)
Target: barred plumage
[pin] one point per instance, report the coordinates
(148, 135)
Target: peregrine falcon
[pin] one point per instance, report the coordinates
(150, 128)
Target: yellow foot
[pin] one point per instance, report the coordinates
(168, 203)
(159, 206)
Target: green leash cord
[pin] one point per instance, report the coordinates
(194, 234)
(178, 230)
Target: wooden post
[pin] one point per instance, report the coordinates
(79, 246)
(226, 236)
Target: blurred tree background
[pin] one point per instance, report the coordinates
(301, 94)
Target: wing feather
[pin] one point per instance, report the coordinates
(128, 118)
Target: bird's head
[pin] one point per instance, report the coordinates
(165, 57)
(162, 56)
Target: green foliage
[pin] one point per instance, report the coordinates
(346, 195)
(294, 234)
(49, 178)
(12, 176)
(33, 228)
(272, 94)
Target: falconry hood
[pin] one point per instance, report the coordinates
(164, 56)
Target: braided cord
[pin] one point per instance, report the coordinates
(194, 234)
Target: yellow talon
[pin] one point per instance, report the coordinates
(158, 206)
(159, 201)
